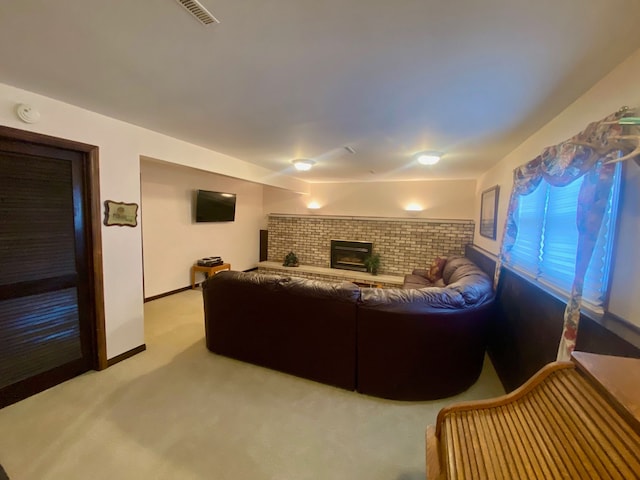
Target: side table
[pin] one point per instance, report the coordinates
(208, 270)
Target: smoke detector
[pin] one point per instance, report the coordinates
(200, 13)
(27, 113)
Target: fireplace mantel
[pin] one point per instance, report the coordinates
(371, 219)
(331, 274)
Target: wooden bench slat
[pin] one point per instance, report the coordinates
(592, 429)
(569, 412)
(614, 441)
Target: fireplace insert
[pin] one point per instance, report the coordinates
(350, 255)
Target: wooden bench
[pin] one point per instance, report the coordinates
(578, 419)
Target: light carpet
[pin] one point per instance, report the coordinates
(178, 411)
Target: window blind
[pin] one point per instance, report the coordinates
(547, 240)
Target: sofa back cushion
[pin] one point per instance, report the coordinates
(411, 300)
(344, 291)
(452, 265)
(465, 277)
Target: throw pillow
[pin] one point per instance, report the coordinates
(435, 270)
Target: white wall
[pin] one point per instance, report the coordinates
(441, 199)
(172, 241)
(121, 146)
(620, 87)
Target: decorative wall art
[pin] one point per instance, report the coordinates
(120, 213)
(489, 212)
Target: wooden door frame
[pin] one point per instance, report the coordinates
(93, 228)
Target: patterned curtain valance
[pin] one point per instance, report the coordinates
(559, 165)
(591, 153)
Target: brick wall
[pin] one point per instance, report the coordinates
(403, 244)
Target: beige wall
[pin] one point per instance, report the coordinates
(121, 146)
(440, 199)
(620, 87)
(172, 240)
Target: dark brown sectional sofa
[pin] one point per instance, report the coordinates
(403, 344)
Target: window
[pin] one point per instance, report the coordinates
(547, 240)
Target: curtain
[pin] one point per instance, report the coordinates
(584, 155)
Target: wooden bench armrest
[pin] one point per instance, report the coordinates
(504, 399)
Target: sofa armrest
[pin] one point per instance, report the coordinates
(420, 272)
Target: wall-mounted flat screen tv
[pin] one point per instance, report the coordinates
(215, 206)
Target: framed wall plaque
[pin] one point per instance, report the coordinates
(120, 213)
(489, 212)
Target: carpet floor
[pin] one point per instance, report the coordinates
(177, 411)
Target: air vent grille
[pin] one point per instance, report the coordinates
(198, 11)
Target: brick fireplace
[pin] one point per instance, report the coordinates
(350, 255)
(402, 243)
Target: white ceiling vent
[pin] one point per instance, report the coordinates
(198, 11)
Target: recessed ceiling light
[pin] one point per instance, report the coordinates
(303, 164)
(428, 158)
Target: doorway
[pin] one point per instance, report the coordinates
(51, 291)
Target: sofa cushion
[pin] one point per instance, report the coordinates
(452, 265)
(475, 288)
(411, 300)
(416, 281)
(342, 291)
(435, 270)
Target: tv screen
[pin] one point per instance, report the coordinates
(215, 206)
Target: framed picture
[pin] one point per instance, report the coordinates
(120, 213)
(489, 212)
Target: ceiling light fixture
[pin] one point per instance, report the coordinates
(303, 164)
(428, 158)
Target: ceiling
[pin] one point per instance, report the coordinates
(284, 79)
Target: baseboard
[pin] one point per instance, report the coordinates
(166, 294)
(127, 354)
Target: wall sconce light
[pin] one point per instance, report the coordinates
(413, 207)
(313, 205)
(430, 157)
(303, 164)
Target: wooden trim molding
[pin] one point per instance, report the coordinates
(34, 137)
(166, 294)
(128, 354)
(93, 182)
(94, 229)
